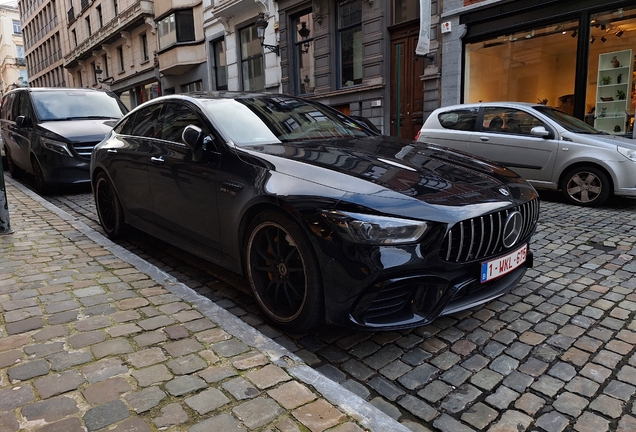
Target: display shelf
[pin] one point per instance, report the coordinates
(614, 82)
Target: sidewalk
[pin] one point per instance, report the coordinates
(92, 337)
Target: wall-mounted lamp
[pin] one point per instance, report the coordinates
(106, 80)
(261, 24)
(303, 31)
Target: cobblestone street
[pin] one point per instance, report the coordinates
(555, 354)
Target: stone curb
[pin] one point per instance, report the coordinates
(364, 412)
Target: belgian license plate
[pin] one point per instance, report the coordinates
(502, 265)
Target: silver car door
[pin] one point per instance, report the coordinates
(505, 137)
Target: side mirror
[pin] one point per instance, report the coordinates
(196, 140)
(540, 131)
(21, 121)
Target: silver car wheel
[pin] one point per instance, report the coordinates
(586, 186)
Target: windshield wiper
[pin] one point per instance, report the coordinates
(83, 118)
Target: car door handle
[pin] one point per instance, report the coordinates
(158, 160)
(484, 138)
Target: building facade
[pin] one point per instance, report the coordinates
(13, 71)
(577, 55)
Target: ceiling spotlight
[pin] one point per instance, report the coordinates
(603, 39)
(592, 39)
(619, 33)
(574, 33)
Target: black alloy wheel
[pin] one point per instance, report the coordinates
(586, 186)
(41, 185)
(283, 272)
(109, 210)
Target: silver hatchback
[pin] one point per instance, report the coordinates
(548, 147)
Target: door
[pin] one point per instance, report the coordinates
(184, 192)
(505, 138)
(407, 89)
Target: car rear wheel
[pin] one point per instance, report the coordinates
(283, 272)
(11, 166)
(109, 210)
(41, 185)
(586, 186)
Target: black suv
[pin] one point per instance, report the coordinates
(50, 132)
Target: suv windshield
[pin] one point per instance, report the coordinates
(76, 104)
(275, 119)
(570, 123)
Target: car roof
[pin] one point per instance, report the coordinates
(47, 89)
(490, 104)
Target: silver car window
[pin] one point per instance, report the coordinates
(509, 120)
(463, 119)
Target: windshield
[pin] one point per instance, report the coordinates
(570, 123)
(275, 119)
(76, 104)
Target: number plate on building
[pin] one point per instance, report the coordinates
(502, 265)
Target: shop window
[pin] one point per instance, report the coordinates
(350, 42)
(304, 52)
(251, 59)
(175, 28)
(536, 65)
(220, 64)
(611, 94)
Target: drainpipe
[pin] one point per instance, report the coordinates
(5, 225)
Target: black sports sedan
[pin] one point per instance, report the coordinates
(326, 219)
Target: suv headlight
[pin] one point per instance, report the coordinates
(628, 153)
(56, 146)
(375, 230)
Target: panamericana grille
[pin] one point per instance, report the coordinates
(481, 237)
(85, 149)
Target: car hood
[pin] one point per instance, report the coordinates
(390, 167)
(80, 130)
(600, 140)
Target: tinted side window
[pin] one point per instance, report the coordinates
(25, 104)
(146, 122)
(125, 126)
(461, 119)
(15, 107)
(175, 119)
(509, 120)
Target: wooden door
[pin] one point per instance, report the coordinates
(407, 89)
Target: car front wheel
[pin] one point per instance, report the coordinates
(109, 210)
(586, 186)
(283, 272)
(41, 184)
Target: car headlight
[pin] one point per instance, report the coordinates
(56, 146)
(628, 153)
(377, 230)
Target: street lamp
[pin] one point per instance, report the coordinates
(261, 25)
(304, 33)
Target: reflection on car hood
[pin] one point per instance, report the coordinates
(409, 168)
(80, 130)
(612, 140)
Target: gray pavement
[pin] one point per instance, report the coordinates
(557, 354)
(93, 337)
